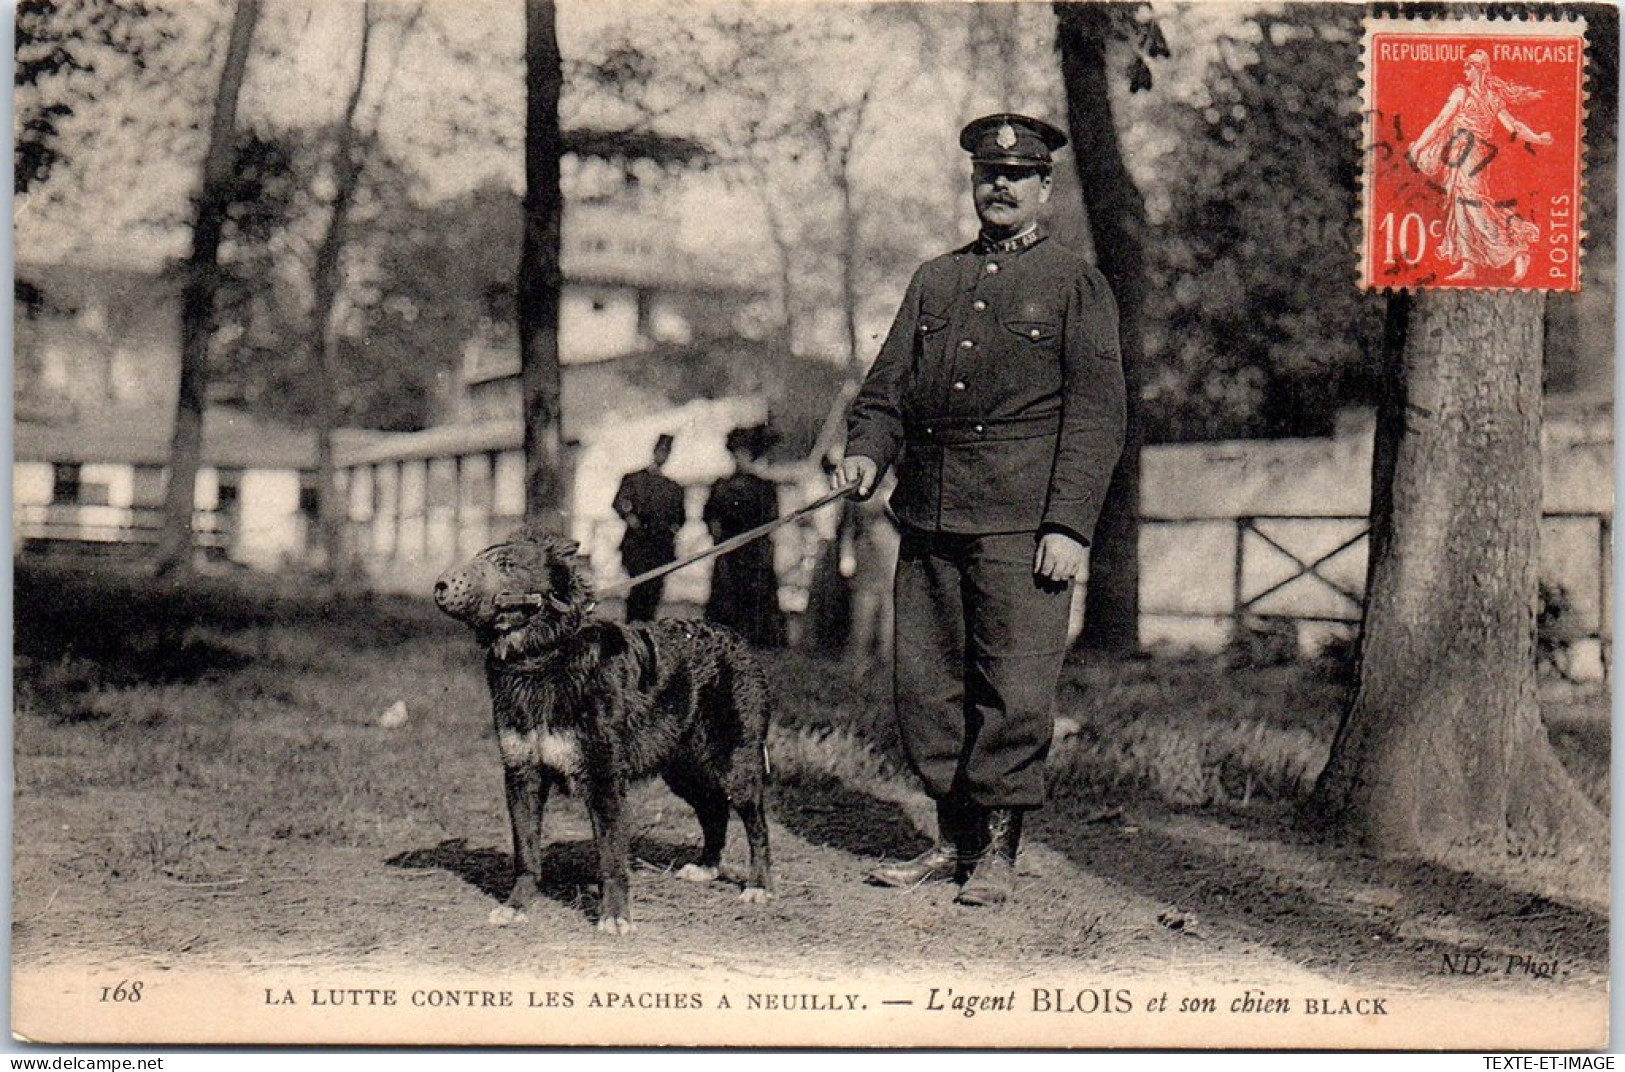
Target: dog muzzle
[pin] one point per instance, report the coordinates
(470, 594)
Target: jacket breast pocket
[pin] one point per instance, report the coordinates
(1039, 332)
(928, 345)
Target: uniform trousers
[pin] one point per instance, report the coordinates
(979, 645)
(643, 601)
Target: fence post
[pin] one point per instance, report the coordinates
(1605, 573)
(1237, 583)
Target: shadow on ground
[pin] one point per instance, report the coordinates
(569, 868)
(1257, 879)
(823, 810)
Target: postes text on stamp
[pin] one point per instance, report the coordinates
(1473, 154)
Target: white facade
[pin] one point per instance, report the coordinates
(271, 528)
(597, 322)
(263, 527)
(424, 501)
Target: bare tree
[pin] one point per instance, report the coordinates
(791, 138)
(352, 136)
(175, 546)
(837, 134)
(1443, 745)
(540, 274)
(1117, 221)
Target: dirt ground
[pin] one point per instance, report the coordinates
(246, 818)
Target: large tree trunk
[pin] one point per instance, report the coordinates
(1117, 222)
(175, 546)
(1443, 746)
(540, 277)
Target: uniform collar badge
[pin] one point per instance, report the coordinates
(1006, 137)
(1025, 240)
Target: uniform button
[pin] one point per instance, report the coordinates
(966, 344)
(959, 385)
(992, 269)
(1034, 333)
(978, 305)
(979, 429)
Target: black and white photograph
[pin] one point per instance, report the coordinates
(813, 524)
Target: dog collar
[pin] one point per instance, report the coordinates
(530, 664)
(534, 601)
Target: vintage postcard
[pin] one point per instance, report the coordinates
(803, 524)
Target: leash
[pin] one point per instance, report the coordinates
(731, 544)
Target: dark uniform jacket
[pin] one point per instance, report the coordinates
(998, 393)
(652, 507)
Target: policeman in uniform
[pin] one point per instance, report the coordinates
(651, 504)
(998, 397)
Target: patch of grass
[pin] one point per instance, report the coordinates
(123, 706)
(814, 693)
(831, 750)
(1184, 731)
(1184, 762)
(281, 681)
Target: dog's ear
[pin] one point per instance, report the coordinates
(528, 532)
(564, 547)
(535, 532)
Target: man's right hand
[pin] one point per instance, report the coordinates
(855, 467)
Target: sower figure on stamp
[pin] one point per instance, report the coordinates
(1457, 148)
(651, 504)
(998, 396)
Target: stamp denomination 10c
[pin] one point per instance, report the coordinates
(1473, 154)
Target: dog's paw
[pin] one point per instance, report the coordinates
(616, 925)
(756, 895)
(696, 873)
(506, 916)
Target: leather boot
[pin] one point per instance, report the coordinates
(971, 837)
(994, 879)
(939, 863)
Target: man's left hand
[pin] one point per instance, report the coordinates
(1060, 558)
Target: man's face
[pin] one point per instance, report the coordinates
(1007, 197)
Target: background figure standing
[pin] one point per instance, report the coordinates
(744, 586)
(651, 504)
(999, 395)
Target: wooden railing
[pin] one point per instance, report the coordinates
(110, 528)
(1272, 536)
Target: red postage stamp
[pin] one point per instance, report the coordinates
(1473, 154)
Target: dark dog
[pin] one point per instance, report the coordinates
(592, 705)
